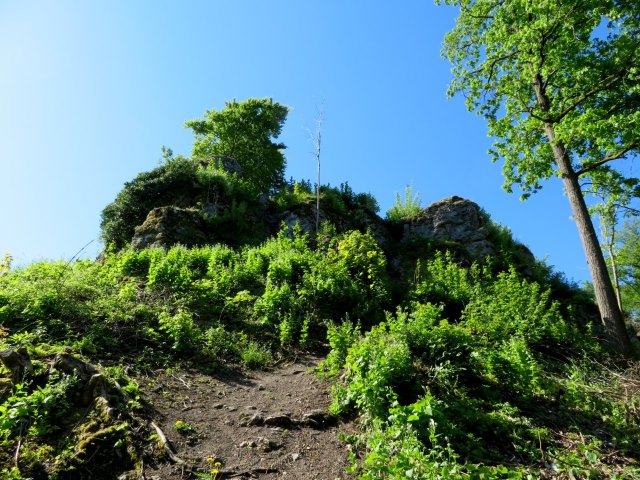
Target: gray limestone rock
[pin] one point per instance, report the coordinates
(453, 219)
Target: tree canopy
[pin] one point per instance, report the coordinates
(583, 55)
(558, 82)
(245, 131)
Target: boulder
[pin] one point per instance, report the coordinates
(18, 363)
(303, 215)
(228, 164)
(168, 226)
(453, 219)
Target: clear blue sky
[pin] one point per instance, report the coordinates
(90, 91)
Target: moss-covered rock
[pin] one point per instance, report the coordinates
(168, 226)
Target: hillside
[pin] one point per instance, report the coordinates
(446, 350)
(233, 329)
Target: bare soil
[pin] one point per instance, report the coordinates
(264, 425)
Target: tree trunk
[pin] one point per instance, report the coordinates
(318, 144)
(610, 313)
(611, 241)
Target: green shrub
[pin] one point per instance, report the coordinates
(220, 344)
(181, 330)
(276, 304)
(378, 368)
(294, 330)
(440, 280)
(171, 270)
(137, 263)
(513, 367)
(294, 193)
(367, 202)
(35, 412)
(53, 298)
(407, 208)
(511, 306)
(341, 337)
(255, 355)
(174, 183)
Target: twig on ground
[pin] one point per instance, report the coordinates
(167, 446)
(185, 383)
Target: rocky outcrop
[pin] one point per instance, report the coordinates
(453, 219)
(18, 363)
(304, 215)
(168, 226)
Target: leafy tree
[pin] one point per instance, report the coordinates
(559, 85)
(245, 132)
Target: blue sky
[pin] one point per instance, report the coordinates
(90, 91)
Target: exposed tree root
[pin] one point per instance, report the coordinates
(167, 446)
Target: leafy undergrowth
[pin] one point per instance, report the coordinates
(202, 308)
(511, 388)
(478, 374)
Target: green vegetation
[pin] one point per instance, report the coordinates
(407, 208)
(184, 183)
(5, 263)
(626, 258)
(203, 306)
(509, 388)
(481, 372)
(455, 367)
(244, 132)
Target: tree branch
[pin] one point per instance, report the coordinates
(590, 93)
(607, 159)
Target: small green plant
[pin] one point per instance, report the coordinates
(407, 208)
(180, 328)
(5, 263)
(378, 367)
(183, 427)
(219, 343)
(512, 364)
(11, 473)
(35, 412)
(340, 336)
(256, 356)
(213, 471)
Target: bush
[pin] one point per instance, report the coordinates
(407, 208)
(440, 280)
(174, 183)
(378, 368)
(181, 330)
(513, 368)
(341, 337)
(256, 356)
(510, 306)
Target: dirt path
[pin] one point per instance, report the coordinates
(264, 425)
